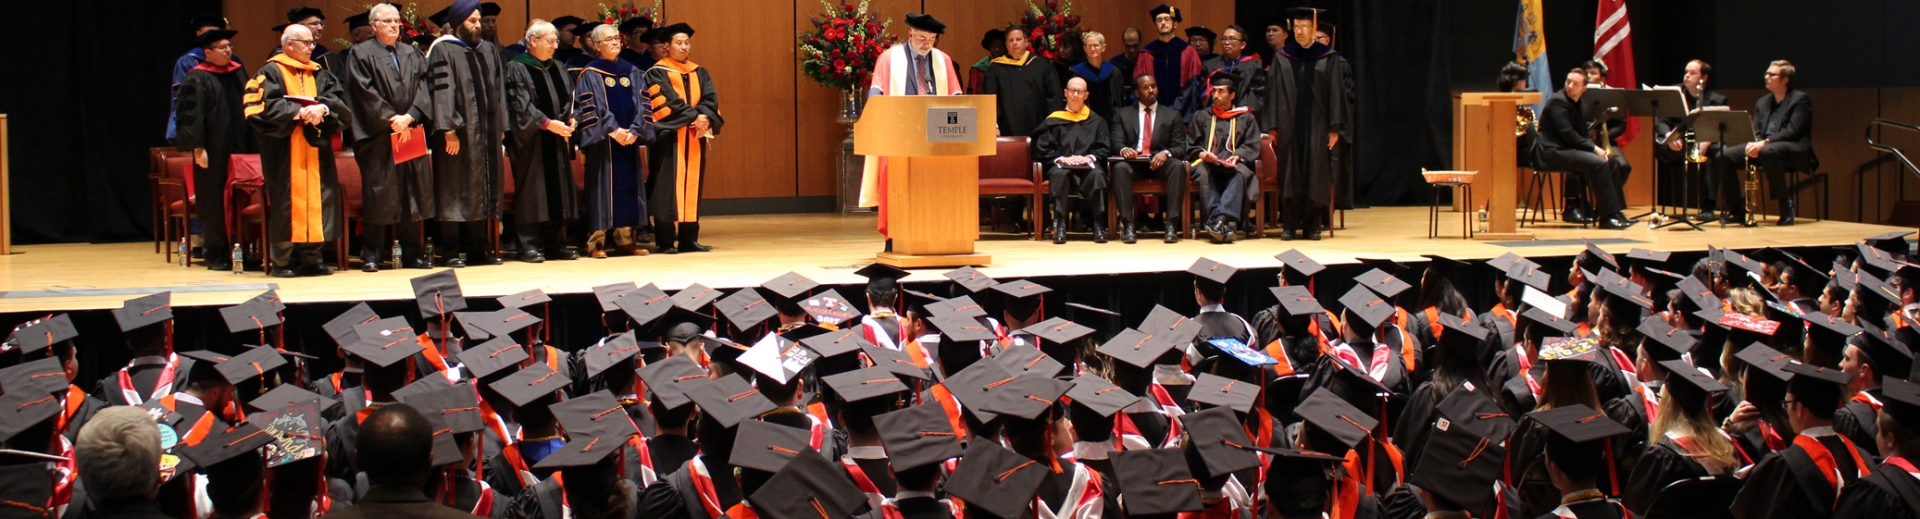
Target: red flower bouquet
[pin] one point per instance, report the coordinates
(844, 45)
(1045, 25)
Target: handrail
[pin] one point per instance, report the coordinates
(1875, 143)
(1860, 206)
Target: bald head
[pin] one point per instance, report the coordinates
(297, 43)
(396, 447)
(1076, 94)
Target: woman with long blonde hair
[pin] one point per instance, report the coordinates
(1683, 442)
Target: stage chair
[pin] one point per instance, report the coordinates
(1810, 169)
(1700, 498)
(170, 193)
(247, 204)
(1010, 171)
(156, 170)
(1544, 191)
(1146, 186)
(347, 170)
(1266, 181)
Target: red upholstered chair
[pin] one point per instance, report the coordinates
(248, 205)
(347, 171)
(1266, 173)
(494, 225)
(1010, 171)
(170, 195)
(156, 170)
(1152, 186)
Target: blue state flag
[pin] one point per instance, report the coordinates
(1530, 47)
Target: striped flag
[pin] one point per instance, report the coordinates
(1530, 47)
(1613, 45)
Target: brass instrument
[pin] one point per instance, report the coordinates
(1522, 118)
(1750, 187)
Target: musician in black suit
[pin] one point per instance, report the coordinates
(1167, 138)
(1671, 153)
(1783, 140)
(1565, 147)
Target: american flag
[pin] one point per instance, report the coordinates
(1613, 45)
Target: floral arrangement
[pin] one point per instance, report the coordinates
(844, 45)
(1045, 25)
(411, 23)
(615, 15)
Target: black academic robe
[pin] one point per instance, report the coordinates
(1249, 91)
(1237, 135)
(538, 92)
(1058, 137)
(1856, 421)
(1661, 464)
(1306, 100)
(1107, 87)
(669, 452)
(548, 499)
(209, 115)
(675, 497)
(383, 84)
(469, 101)
(679, 92)
(467, 496)
(342, 435)
(1594, 509)
(1889, 493)
(608, 96)
(1790, 485)
(296, 159)
(1027, 89)
(926, 508)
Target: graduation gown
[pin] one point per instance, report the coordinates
(1028, 89)
(1106, 87)
(296, 159)
(612, 95)
(209, 114)
(1661, 464)
(475, 497)
(1855, 420)
(677, 495)
(537, 92)
(895, 73)
(1891, 492)
(380, 88)
(1800, 481)
(547, 500)
(1248, 91)
(1172, 63)
(1305, 101)
(678, 93)
(469, 101)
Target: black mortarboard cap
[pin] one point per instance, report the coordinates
(1225, 392)
(297, 14)
(1578, 423)
(766, 446)
(616, 350)
(960, 329)
(21, 411)
(1446, 265)
(342, 328)
(223, 443)
(1892, 241)
(882, 270)
(525, 299)
(1594, 251)
(1459, 333)
(596, 428)
(974, 385)
(730, 399)
(973, 280)
(386, 341)
(1474, 409)
(671, 378)
(1334, 416)
(1663, 341)
(1296, 300)
(962, 306)
(1298, 262)
(1682, 374)
(567, 20)
(1221, 440)
(1819, 373)
(837, 342)
(791, 285)
(1025, 397)
(43, 377)
(507, 320)
(1020, 289)
(529, 384)
(438, 293)
(1541, 317)
(422, 385)
(1136, 348)
(1168, 325)
(895, 361)
(457, 405)
(1890, 352)
(142, 311)
(917, 436)
(1368, 306)
(995, 479)
(249, 316)
(645, 304)
(1830, 330)
(287, 394)
(1901, 399)
(829, 307)
(1506, 261)
(1383, 283)
(1629, 291)
(862, 384)
(1211, 270)
(745, 308)
(1058, 330)
(252, 363)
(1766, 360)
(808, 486)
(1099, 395)
(1022, 361)
(44, 333)
(492, 356)
(1459, 466)
(1698, 295)
(696, 296)
(1529, 274)
(608, 294)
(474, 324)
(1157, 481)
(358, 21)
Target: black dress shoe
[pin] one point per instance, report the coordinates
(1573, 215)
(369, 266)
(1286, 235)
(1313, 235)
(1707, 216)
(532, 256)
(1216, 230)
(1173, 235)
(1099, 234)
(1226, 233)
(282, 272)
(454, 263)
(1739, 219)
(1126, 233)
(482, 259)
(694, 247)
(1059, 232)
(667, 250)
(316, 270)
(419, 263)
(1786, 212)
(1615, 223)
(221, 266)
(563, 254)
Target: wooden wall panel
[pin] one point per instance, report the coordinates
(967, 20)
(749, 54)
(816, 134)
(1840, 117)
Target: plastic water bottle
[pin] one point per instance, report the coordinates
(429, 252)
(185, 252)
(239, 260)
(396, 253)
(1482, 217)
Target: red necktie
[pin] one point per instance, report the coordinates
(1146, 134)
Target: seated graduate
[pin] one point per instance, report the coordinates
(1226, 141)
(587, 481)
(1684, 442)
(1868, 356)
(1577, 458)
(1805, 479)
(1073, 145)
(1893, 487)
(919, 441)
(454, 413)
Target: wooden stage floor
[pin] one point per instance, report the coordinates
(749, 250)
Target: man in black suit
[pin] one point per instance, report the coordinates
(1671, 153)
(1565, 147)
(1157, 146)
(1783, 133)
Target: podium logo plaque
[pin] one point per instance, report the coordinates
(952, 125)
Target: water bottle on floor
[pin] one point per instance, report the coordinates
(239, 260)
(396, 254)
(185, 252)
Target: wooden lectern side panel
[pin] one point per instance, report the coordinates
(1501, 169)
(896, 126)
(933, 204)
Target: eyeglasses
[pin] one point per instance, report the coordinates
(302, 42)
(1079, 92)
(387, 22)
(223, 48)
(1784, 403)
(1773, 74)
(1224, 39)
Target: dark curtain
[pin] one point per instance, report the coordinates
(88, 98)
(1399, 53)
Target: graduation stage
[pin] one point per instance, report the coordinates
(749, 250)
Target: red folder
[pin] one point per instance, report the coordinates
(414, 147)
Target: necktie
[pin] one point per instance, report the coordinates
(924, 69)
(1146, 133)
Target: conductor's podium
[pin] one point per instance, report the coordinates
(933, 146)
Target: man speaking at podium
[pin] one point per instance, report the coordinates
(911, 68)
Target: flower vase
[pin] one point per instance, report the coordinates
(851, 166)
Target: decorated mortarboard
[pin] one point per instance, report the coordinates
(1299, 262)
(45, 377)
(1334, 416)
(1099, 395)
(916, 437)
(695, 297)
(1767, 360)
(249, 316)
(1901, 400)
(645, 304)
(1682, 374)
(1211, 270)
(962, 306)
(438, 294)
(1594, 251)
(1025, 397)
(1368, 306)
(1663, 341)
(1543, 318)
(1020, 289)
(341, 328)
(790, 286)
(250, 364)
(1157, 481)
(777, 357)
(607, 295)
(1136, 348)
(1236, 349)
(1225, 392)
(995, 479)
(730, 399)
(1222, 442)
(863, 384)
(1459, 466)
(1578, 423)
(973, 387)
(224, 442)
(287, 394)
(386, 341)
(830, 308)
(836, 343)
(807, 486)
(1383, 283)
(144, 311)
(298, 430)
(492, 357)
(1057, 330)
(529, 384)
(895, 361)
(601, 357)
(671, 378)
(1296, 300)
(457, 405)
(1744, 322)
(766, 446)
(1529, 274)
(745, 308)
(1021, 361)
(973, 280)
(1567, 349)
(44, 333)
(1474, 409)
(960, 329)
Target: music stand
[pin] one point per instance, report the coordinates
(1656, 103)
(1727, 127)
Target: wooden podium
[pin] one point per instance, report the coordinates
(1483, 124)
(933, 188)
